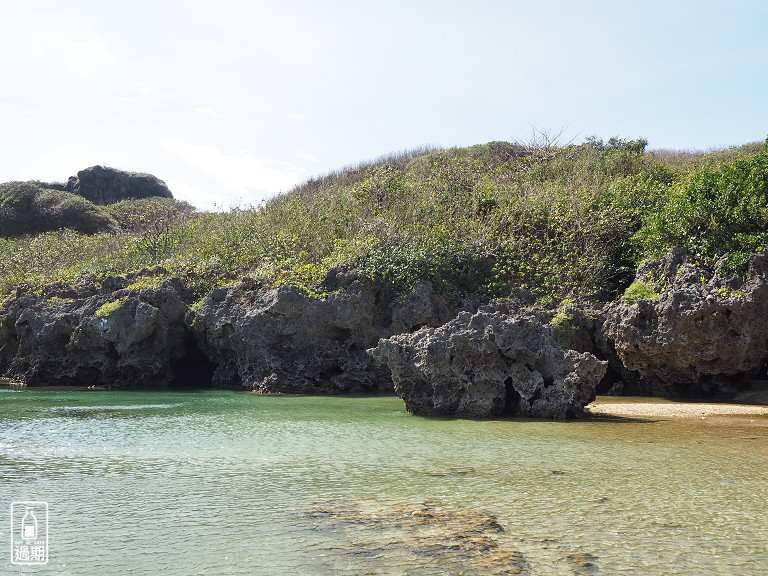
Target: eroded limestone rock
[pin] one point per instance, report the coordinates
(433, 538)
(61, 341)
(428, 538)
(281, 340)
(498, 361)
(102, 185)
(706, 333)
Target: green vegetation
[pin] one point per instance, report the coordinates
(639, 290)
(562, 322)
(714, 213)
(109, 308)
(492, 220)
(146, 282)
(31, 208)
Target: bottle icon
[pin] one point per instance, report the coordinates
(29, 525)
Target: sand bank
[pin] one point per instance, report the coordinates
(670, 409)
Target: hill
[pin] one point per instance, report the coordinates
(613, 268)
(30, 208)
(491, 220)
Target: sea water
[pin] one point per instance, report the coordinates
(239, 484)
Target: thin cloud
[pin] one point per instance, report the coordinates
(205, 111)
(240, 171)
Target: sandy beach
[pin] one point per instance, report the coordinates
(608, 406)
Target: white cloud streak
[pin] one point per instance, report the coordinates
(240, 171)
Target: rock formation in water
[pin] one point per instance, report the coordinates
(111, 336)
(498, 361)
(115, 334)
(103, 185)
(704, 333)
(427, 538)
(281, 340)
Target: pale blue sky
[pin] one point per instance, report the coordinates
(230, 101)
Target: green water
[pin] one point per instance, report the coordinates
(221, 483)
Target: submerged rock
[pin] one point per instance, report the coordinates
(498, 361)
(703, 333)
(426, 538)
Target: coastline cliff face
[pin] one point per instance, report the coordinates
(281, 340)
(695, 333)
(118, 334)
(94, 337)
(701, 333)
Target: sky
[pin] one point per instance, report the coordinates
(233, 101)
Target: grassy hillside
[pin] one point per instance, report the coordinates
(491, 220)
(33, 207)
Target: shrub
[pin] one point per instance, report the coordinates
(109, 308)
(715, 213)
(639, 290)
(28, 208)
(157, 222)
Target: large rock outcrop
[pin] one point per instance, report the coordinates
(281, 340)
(117, 338)
(139, 332)
(498, 361)
(704, 333)
(103, 185)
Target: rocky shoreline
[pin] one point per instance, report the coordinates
(701, 334)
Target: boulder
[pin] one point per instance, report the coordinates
(499, 361)
(703, 333)
(103, 185)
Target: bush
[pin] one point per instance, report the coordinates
(157, 222)
(715, 213)
(639, 290)
(28, 208)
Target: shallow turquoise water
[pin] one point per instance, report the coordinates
(220, 483)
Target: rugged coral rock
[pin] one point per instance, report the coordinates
(498, 361)
(103, 185)
(282, 340)
(116, 334)
(133, 342)
(704, 333)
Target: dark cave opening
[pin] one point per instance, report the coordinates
(511, 396)
(194, 370)
(609, 380)
(718, 386)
